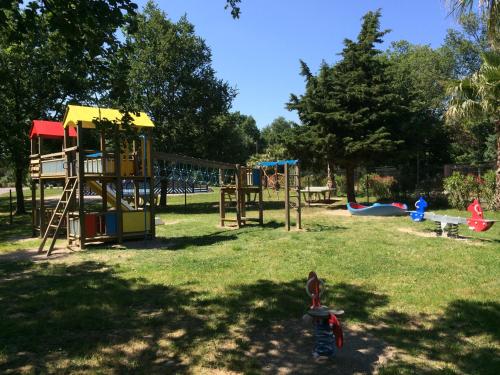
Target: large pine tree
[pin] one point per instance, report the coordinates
(349, 107)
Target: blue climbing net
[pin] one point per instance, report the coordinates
(191, 174)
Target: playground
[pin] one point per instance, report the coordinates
(181, 303)
(250, 187)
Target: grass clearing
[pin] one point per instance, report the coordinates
(205, 299)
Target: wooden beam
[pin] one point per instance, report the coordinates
(299, 203)
(80, 172)
(222, 206)
(151, 185)
(287, 197)
(261, 205)
(41, 185)
(193, 161)
(119, 187)
(33, 207)
(238, 194)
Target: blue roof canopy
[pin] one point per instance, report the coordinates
(275, 163)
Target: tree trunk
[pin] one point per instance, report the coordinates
(20, 209)
(497, 187)
(349, 179)
(163, 193)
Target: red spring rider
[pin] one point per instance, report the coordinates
(327, 330)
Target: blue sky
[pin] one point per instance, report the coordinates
(259, 53)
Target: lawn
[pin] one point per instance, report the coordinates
(205, 299)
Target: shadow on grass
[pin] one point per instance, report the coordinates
(86, 318)
(448, 339)
(20, 228)
(57, 313)
(317, 227)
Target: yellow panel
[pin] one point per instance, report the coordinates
(133, 221)
(127, 167)
(86, 115)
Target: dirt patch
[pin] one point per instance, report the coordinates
(417, 233)
(172, 222)
(287, 349)
(338, 212)
(32, 255)
(433, 235)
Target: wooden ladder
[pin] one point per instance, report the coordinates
(59, 213)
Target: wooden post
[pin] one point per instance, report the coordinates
(136, 173)
(10, 206)
(243, 196)
(238, 195)
(67, 158)
(185, 195)
(33, 190)
(151, 185)
(41, 186)
(118, 183)
(299, 203)
(80, 157)
(261, 205)
(222, 206)
(104, 185)
(33, 207)
(287, 198)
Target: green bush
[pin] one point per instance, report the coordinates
(487, 189)
(460, 189)
(341, 184)
(381, 187)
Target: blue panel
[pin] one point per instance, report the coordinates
(111, 223)
(256, 177)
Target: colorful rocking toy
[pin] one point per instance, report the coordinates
(450, 224)
(327, 330)
(418, 215)
(477, 222)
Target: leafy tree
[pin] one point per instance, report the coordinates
(419, 77)
(171, 78)
(234, 6)
(471, 140)
(277, 132)
(234, 138)
(350, 106)
(489, 8)
(50, 54)
(478, 97)
(466, 44)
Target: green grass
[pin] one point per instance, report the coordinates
(209, 298)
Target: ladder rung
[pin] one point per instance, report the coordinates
(53, 226)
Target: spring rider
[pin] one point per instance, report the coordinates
(327, 330)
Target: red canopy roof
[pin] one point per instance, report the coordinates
(49, 129)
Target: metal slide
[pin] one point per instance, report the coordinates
(96, 187)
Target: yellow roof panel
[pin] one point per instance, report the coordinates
(87, 115)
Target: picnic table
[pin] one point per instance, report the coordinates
(317, 192)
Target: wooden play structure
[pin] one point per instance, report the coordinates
(252, 180)
(93, 155)
(245, 182)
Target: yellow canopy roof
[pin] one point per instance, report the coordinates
(86, 115)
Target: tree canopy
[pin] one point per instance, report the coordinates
(350, 107)
(171, 78)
